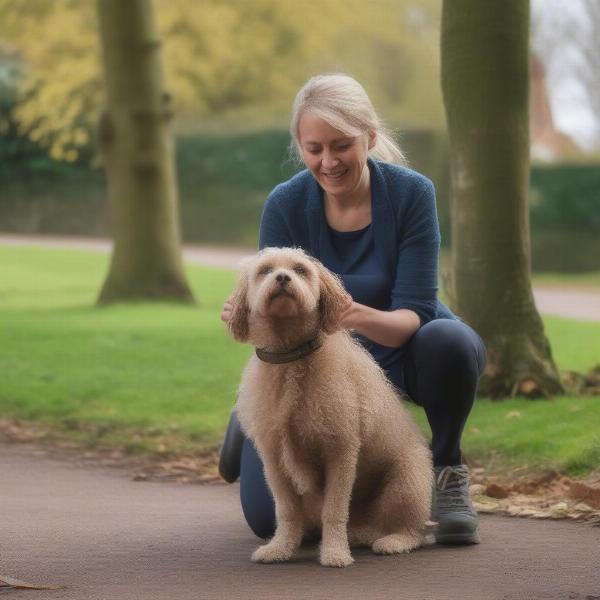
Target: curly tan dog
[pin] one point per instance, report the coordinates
(341, 454)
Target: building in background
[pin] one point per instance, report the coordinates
(547, 142)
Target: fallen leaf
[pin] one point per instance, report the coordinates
(529, 387)
(494, 490)
(559, 510)
(579, 490)
(514, 511)
(583, 507)
(527, 512)
(477, 489)
(22, 585)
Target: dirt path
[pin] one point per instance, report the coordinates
(573, 304)
(100, 535)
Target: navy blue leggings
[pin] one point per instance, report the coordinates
(439, 372)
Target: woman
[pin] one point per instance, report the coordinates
(373, 222)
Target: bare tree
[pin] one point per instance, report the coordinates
(137, 149)
(485, 81)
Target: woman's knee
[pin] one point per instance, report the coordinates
(450, 345)
(256, 499)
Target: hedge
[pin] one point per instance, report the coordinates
(224, 180)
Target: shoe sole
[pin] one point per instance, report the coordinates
(455, 539)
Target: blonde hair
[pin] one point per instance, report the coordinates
(342, 102)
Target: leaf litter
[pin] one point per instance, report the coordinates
(547, 495)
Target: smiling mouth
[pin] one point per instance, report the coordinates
(335, 176)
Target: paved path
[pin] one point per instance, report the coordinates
(573, 304)
(211, 256)
(101, 536)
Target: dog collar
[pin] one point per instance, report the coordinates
(289, 355)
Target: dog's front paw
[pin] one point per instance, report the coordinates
(397, 543)
(270, 553)
(335, 557)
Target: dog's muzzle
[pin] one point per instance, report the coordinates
(282, 289)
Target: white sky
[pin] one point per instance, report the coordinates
(569, 105)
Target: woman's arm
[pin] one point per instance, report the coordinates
(388, 328)
(416, 283)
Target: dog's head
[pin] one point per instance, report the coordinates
(286, 283)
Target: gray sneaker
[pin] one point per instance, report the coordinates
(452, 507)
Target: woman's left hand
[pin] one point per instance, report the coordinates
(391, 328)
(351, 316)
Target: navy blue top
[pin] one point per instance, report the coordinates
(352, 255)
(390, 264)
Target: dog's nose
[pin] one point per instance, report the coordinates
(282, 278)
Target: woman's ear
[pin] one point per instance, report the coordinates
(333, 300)
(238, 323)
(372, 139)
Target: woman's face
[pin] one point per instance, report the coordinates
(337, 161)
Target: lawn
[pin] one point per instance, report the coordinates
(160, 377)
(163, 369)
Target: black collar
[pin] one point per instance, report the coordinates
(290, 355)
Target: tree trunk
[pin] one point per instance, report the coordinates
(485, 82)
(137, 149)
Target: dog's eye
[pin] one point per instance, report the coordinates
(265, 270)
(300, 270)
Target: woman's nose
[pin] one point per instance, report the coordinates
(329, 159)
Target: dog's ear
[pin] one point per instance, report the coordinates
(238, 323)
(334, 299)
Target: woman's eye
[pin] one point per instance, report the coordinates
(265, 270)
(300, 270)
(344, 147)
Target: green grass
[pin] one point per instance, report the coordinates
(166, 368)
(164, 376)
(575, 344)
(561, 433)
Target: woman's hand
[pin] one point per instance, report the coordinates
(351, 316)
(227, 309)
(389, 328)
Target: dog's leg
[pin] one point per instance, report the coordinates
(362, 537)
(288, 511)
(340, 474)
(402, 510)
(303, 479)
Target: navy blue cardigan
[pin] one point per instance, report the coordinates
(405, 230)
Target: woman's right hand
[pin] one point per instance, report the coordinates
(227, 309)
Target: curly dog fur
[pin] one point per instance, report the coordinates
(342, 456)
